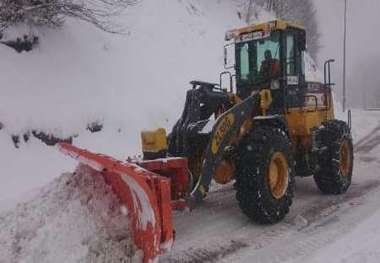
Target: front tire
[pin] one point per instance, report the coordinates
(265, 175)
(335, 158)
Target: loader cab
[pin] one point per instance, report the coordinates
(270, 56)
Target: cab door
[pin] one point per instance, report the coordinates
(294, 69)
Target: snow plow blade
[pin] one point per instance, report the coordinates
(146, 194)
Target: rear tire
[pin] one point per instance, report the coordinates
(265, 175)
(335, 158)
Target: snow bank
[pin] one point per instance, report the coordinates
(76, 218)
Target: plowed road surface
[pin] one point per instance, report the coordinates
(219, 232)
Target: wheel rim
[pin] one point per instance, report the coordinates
(345, 161)
(278, 175)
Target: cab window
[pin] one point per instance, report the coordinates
(244, 62)
(253, 55)
(290, 55)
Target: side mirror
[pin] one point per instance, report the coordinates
(227, 56)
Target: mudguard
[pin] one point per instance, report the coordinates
(146, 196)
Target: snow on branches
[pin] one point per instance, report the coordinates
(53, 12)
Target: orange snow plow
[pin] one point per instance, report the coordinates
(149, 190)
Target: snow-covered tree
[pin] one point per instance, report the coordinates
(294, 10)
(53, 12)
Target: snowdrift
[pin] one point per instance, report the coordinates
(76, 218)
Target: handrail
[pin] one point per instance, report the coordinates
(327, 72)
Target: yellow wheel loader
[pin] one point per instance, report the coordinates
(274, 126)
(269, 127)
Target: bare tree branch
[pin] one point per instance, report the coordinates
(53, 12)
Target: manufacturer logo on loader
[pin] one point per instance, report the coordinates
(221, 130)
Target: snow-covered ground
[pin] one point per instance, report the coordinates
(133, 82)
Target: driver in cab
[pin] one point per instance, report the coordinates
(270, 67)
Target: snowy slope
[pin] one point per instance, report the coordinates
(130, 82)
(80, 74)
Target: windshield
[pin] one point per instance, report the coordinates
(258, 59)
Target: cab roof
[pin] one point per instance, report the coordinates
(265, 27)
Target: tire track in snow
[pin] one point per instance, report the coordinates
(210, 254)
(307, 219)
(323, 228)
(366, 145)
(331, 204)
(368, 142)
